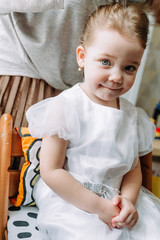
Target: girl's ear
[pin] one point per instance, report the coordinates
(80, 51)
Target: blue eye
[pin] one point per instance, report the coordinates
(106, 62)
(130, 68)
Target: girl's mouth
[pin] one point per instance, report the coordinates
(111, 88)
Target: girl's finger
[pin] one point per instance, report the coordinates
(132, 223)
(121, 217)
(116, 200)
(120, 225)
(129, 219)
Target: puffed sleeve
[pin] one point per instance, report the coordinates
(52, 116)
(146, 132)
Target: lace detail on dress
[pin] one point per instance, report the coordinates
(101, 190)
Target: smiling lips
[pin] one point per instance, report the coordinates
(110, 88)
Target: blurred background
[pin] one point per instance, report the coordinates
(146, 89)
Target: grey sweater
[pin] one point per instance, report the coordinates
(40, 41)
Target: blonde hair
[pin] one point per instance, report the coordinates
(129, 21)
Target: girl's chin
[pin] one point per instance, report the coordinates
(106, 100)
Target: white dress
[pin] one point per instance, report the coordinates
(104, 145)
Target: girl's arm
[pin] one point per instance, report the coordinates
(7, 6)
(131, 184)
(52, 158)
(129, 193)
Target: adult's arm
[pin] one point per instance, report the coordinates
(7, 6)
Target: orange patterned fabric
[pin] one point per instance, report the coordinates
(30, 170)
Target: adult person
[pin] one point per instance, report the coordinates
(37, 46)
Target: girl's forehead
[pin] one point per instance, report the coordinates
(101, 32)
(112, 36)
(111, 42)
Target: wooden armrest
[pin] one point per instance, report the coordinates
(146, 167)
(5, 158)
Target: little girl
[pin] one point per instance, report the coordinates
(90, 185)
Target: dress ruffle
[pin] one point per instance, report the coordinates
(52, 116)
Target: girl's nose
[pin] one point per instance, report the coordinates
(116, 76)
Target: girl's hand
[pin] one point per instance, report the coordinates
(107, 211)
(128, 216)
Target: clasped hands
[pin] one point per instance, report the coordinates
(128, 215)
(119, 213)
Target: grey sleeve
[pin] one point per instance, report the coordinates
(7, 6)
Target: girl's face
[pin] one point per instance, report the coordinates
(110, 64)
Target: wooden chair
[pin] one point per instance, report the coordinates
(10, 146)
(19, 93)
